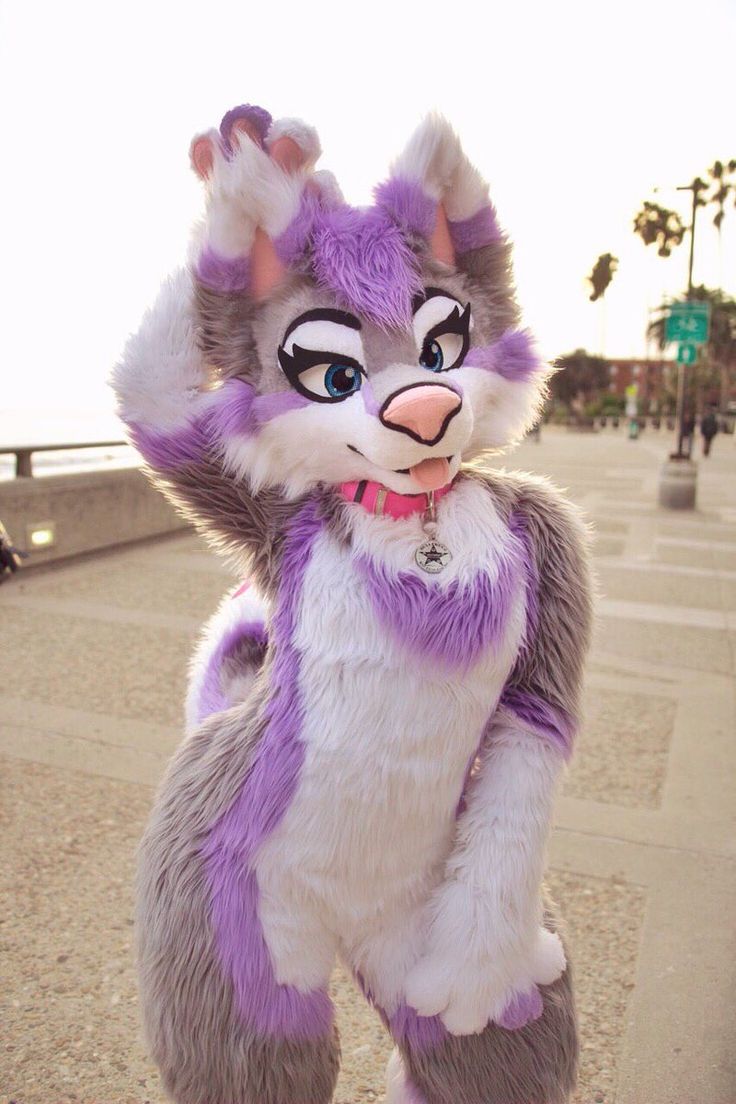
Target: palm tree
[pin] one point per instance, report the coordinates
(599, 279)
(603, 272)
(659, 226)
(724, 182)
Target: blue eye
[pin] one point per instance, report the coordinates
(341, 380)
(432, 356)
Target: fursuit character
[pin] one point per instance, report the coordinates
(378, 721)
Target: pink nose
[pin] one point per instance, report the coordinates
(423, 411)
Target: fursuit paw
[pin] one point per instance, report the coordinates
(467, 994)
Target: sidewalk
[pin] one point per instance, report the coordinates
(642, 857)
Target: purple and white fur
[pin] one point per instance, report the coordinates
(373, 751)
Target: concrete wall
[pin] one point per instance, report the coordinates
(89, 510)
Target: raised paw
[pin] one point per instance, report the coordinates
(468, 994)
(290, 144)
(256, 172)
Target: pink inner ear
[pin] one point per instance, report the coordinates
(266, 270)
(440, 243)
(287, 154)
(202, 156)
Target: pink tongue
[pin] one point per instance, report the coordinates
(431, 474)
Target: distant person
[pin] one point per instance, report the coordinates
(10, 557)
(709, 428)
(688, 432)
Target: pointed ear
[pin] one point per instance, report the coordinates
(267, 270)
(440, 242)
(293, 148)
(257, 174)
(434, 191)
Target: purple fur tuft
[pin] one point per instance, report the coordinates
(408, 205)
(234, 840)
(523, 1008)
(454, 624)
(421, 1033)
(551, 722)
(223, 274)
(239, 411)
(371, 404)
(258, 117)
(405, 1024)
(169, 449)
(363, 257)
(513, 356)
(272, 405)
(231, 411)
(295, 240)
(472, 233)
(212, 698)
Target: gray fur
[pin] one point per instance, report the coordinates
(239, 337)
(205, 1052)
(491, 282)
(537, 1064)
(552, 668)
(226, 331)
(534, 1065)
(247, 528)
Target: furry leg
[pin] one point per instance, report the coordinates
(219, 1025)
(535, 1064)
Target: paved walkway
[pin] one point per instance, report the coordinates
(642, 859)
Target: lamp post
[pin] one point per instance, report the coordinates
(695, 188)
(677, 486)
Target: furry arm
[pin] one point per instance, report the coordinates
(179, 424)
(486, 947)
(183, 385)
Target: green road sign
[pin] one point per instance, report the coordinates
(689, 322)
(687, 353)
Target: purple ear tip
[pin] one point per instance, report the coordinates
(258, 117)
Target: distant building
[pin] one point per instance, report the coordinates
(655, 378)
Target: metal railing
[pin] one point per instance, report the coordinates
(24, 453)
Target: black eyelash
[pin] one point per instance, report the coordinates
(299, 360)
(455, 323)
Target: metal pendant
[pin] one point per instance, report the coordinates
(432, 555)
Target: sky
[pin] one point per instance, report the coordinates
(574, 111)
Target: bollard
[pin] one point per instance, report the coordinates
(677, 484)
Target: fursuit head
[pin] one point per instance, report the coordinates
(377, 719)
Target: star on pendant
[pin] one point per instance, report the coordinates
(432, 556)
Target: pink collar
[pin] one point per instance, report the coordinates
(379, 500)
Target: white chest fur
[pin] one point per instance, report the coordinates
(388, 732)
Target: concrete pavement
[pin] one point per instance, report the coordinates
(642, 857)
